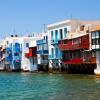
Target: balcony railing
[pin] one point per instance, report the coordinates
(42, 52)
(73, 46)
(41, 42)
(32, 52)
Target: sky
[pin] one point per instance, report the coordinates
(28, 16)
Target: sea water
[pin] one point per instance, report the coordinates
(43, 86)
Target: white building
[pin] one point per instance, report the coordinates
(24, 53)
(42, 52)
(56, 32)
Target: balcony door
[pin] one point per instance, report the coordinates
(56, 35)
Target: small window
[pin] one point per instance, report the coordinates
(97, 34)
(37, 47)
(44, 37)
(93, 41)
(33, 61)
(52, 50)
(45, 46)
(27, 44)
(16, 54)
(65, 32)
(77, 41)
(52, 34)
(97, 41)
(61, 34)
(93, 34)
(56, 34)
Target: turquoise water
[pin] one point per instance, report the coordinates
(36, 86)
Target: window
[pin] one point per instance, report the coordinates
(97, 34)
(61, 34)
(65, 32)
(27, 44)
(56, 52)
(40, 47)
(52, 50)
(93, 34)
(33, 61)
(16, 54)
(77, 41)
(56, 34)
(37, 48)
(46, 38)
(52, 35)
(97, 41)
(93, 41)
(45, 47)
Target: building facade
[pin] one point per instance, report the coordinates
(77, 52)
(13, 54)
(56, 32)
(20, 53)
(95, 38)
(42, 52)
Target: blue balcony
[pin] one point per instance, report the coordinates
(39, 42)
(42, 52)
(16, 47)
(8, 54)
(54, 41)
(45, 41)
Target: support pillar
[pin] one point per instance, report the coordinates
(97, 70)
(50, 66)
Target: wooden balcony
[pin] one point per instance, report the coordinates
(74, 44)
(32, 52)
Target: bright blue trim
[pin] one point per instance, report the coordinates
(42, 52)
(40, 42)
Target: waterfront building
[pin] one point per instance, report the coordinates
(21, 53)
(95, 38)
(42, 52)
(77, 53)
(2, 54)
(13, 53)
(56, 32)
(29, 55)
(29, 58)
